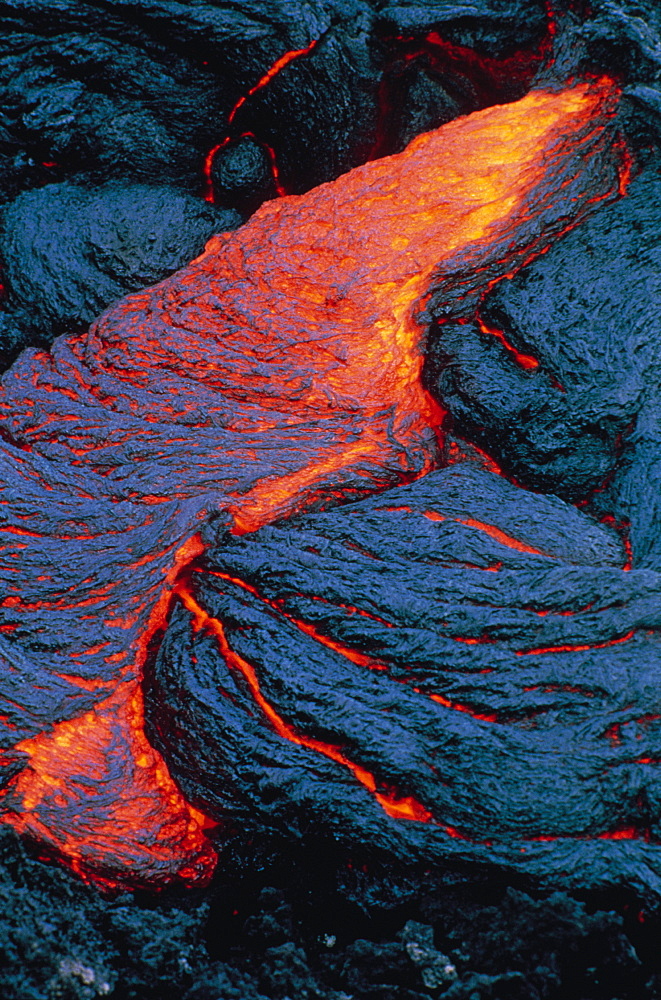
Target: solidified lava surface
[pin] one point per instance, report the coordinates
(256, 936)
(336, 550)
(490, 655)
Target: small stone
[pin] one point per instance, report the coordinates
(71, 969)
(435, 968)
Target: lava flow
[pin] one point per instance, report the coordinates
(281, 367)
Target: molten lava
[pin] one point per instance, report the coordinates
(280, 368)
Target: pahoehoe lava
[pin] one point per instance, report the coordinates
(416, 715)
(280, 371)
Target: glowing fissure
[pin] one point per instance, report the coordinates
(619, 833)
(211, 155)
(492, 80)
(279, 64)
(399, 807)
(489, 529)
(273, 71)
(578, 647)
(458, 707)
(525, 361)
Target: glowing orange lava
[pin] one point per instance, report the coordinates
(135, 797)
(136, 803)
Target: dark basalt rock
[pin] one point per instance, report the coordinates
(276, 932)
(593, 327)
(70, 252)
(241, 175)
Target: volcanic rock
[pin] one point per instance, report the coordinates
(587, 405)
(373, 673)
(71, 252)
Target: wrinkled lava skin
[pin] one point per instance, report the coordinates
(278, 371)
(479, 649)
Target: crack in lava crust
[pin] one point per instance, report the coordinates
(279, 370)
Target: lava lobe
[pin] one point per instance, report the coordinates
(279, 371)
(456, 671)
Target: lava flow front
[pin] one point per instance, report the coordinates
(280, 367)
